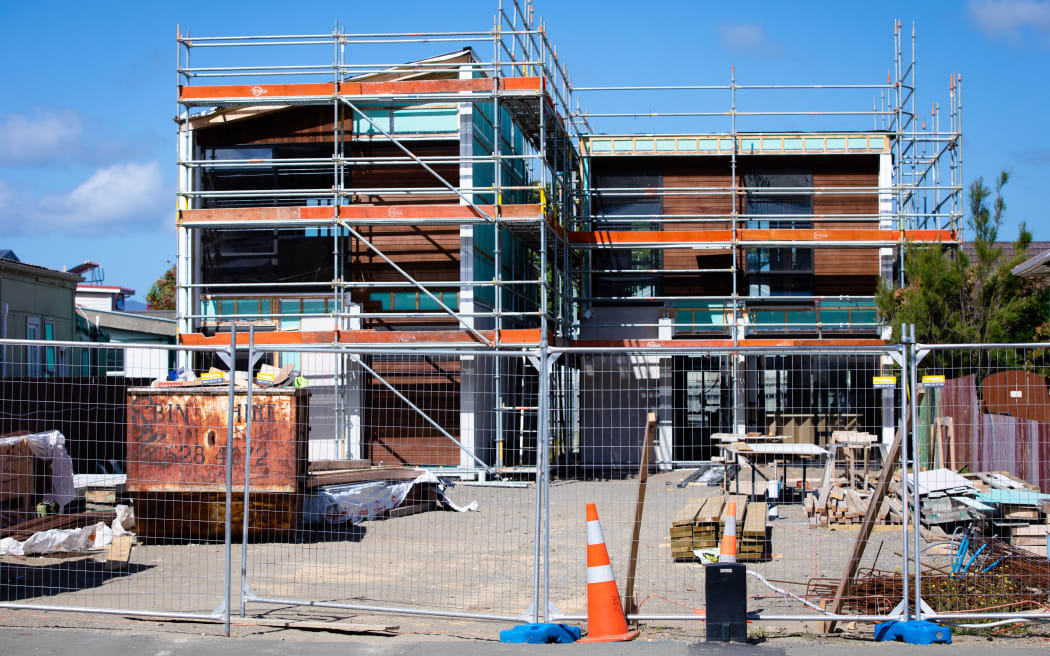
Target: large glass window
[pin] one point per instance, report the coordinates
(617, 208)
(270, 255)
(779, 200)
(254, 175)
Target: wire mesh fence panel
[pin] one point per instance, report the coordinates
(795, 440)
(112, 488)
(982, 479)
(399, 503)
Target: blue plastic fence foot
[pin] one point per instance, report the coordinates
(538, 634)
(915, 632)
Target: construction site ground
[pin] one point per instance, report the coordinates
(500, 556)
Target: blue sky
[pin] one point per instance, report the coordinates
(87, 140)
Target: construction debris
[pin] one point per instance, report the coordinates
(981, 569)
(70, 533)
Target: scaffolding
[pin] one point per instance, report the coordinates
(917, 199)
(492, 160)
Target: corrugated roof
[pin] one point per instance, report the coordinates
(25, 267)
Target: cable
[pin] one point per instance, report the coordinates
(787, 594)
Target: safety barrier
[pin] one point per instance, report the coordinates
(454, 482)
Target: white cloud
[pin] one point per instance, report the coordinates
(1010, 18)
(127, 196)
(46, 136)
(745, 36)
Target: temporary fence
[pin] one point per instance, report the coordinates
(982, 451)
(82, 436)
(401, 480)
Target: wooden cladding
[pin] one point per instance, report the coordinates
(397, 434)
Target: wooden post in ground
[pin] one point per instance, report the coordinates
(630, 604)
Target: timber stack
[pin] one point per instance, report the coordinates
(701, 522)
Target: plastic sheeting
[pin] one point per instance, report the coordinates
(71, 540)
(357, 502)
(51, 446)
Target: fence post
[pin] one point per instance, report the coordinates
(905, 443)
(232, 364)
(247, 465)
(914, 405)
(541, 485)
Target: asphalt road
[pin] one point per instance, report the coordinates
(187, 641)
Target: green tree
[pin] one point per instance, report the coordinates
(161, 295)
(953, 299)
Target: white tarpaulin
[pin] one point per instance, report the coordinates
(51, 446)
(71, 540)
(357, 502)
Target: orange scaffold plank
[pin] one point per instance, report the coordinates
(747, 235)
(363, 337)
(351, 213)
(329, 89)
(720, 343)
(255, 91)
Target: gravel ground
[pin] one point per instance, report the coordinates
(477, 563)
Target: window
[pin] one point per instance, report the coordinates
(616, 210)
(33, 353)
(789, 195)
(50, 356)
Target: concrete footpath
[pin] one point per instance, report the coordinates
(188, 639)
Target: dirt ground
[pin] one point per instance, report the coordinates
(477, 563)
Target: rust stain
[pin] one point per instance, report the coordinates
(177, 440)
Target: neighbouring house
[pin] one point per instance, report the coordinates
(101, 309)
(36, 303)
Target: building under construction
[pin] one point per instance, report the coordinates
(420, 206)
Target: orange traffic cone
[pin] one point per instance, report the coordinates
(727, 550)
(605, 618)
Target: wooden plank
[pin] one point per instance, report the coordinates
(741, 507)
(339, 627)
(101, 495)
(24, 530)
(755, 520)
(337, 465)
(119, 554)
(630, 604)
(711, 511)
(855, 504)
(892, 456)
(688, 512)
(320, 479)
(825, 483)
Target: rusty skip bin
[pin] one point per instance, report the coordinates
(177, 439)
